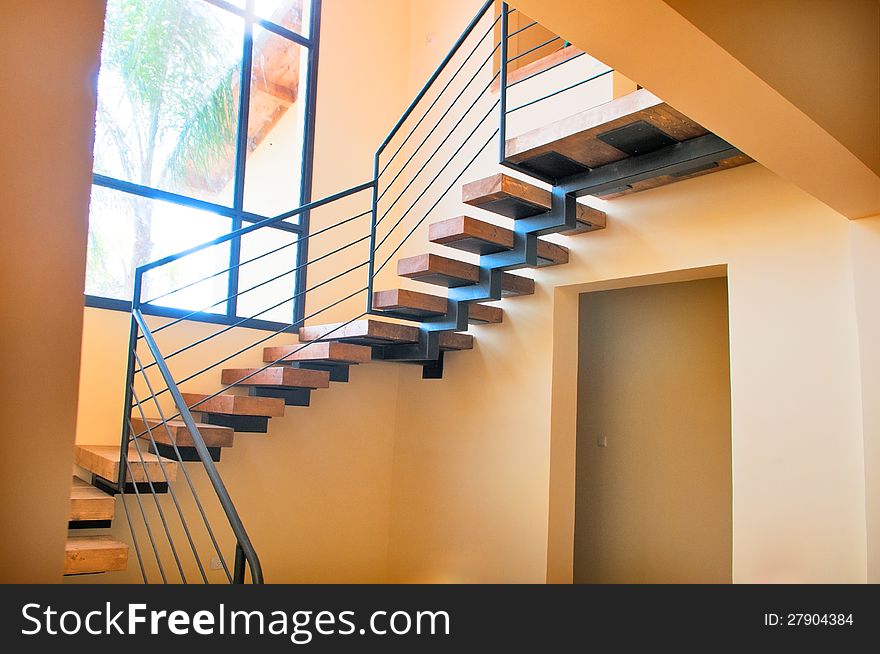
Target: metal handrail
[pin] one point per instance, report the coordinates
(268, 222)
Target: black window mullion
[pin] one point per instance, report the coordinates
(308, 153)
(241, 156)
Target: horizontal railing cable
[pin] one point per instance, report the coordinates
(254, 226)
(240, 322)
(300, 239)
(532, 49)
(422, 219)
(293, 270)
(439, 95)
(562, 90)
(545, 70)
(436, 74)
(437, 176)
(443, 117)
(521, 29)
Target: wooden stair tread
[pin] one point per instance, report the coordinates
(572, 144)
(278, 376)
(103, 460)
(362, 332)
(235, 405)
(513, 285)
(91, 554)
(456, 341)
(514, 198)
(213, 435)
(321, 351)
(471, 235)
(408, 304)
(413, 305)
(479, 237)
(89, 503)
(484, 313)
(442, 271)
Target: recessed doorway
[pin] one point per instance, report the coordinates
(653, 484)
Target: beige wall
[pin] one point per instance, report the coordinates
(653, 500)
(865, 240)
(50, 54)
(843, 57)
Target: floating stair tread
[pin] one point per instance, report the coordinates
(573, 144)
(512, 285)
(456, 341)
(103, 460)
(506, 196)
(213, 435)
(412, 305)
(235, 405)
(276, 376)
(479, 237)
(322, 351)
(511, 197)
(362, 332)
(90, 503)
(484, 313)
(442, 271)
(91, 554)
(471, 235)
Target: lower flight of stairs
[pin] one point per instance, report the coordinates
(91, 508)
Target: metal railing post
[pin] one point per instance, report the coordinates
(129, 380)
(502, 86)
(373, 222)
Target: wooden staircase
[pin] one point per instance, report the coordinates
(595, 139)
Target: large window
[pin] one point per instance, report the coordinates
(203, 125)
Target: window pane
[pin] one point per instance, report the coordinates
(126, 231)
(276, 121)
(273, 300)
(292, 14)
(168, 96)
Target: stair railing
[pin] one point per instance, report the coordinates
(446, 129)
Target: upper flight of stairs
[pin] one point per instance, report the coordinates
(636, 124)
(624, 129)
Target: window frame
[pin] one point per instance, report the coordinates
(237, 215)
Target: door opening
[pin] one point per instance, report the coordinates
(653, 488)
